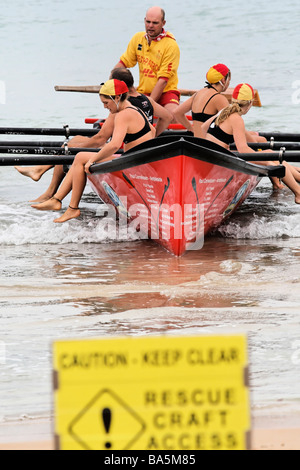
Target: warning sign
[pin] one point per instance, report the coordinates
(154, 393)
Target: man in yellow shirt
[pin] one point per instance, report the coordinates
(157, 54)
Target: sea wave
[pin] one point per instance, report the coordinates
(20, 225)
(262, 228)
(257, 219)
(264, 215)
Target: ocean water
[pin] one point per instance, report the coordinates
(74, 280)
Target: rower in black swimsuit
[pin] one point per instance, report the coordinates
(219, 134)
(113, 94)
(228, 127)
(137, 135)
(205, 104)
(203, 117)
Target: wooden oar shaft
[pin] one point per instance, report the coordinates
(183, 92)
(79, 89)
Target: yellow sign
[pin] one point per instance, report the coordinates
(152, 393)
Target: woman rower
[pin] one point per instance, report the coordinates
(228, 127)
(131, 126)
(207, 102)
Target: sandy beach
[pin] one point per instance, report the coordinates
(36, 435)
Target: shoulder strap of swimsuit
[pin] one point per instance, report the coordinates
(210, 101)
(141, 112)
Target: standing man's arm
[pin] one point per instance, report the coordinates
(159, 89)
(119, 65)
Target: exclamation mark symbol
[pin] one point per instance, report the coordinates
(106, 418)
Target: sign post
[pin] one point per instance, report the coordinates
(152, 393)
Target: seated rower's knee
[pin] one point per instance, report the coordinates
(81, 158)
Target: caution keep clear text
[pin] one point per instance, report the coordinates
(162, 393)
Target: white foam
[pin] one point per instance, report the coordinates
(264, 216)
(259, 228)
(20, 225)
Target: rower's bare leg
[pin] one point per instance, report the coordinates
(288, 180)
(35, 172)
(71, 213)
(57, 178)
(171, 107)
(291, 183)
(78, 184)
(295, 173)
(292, 169)
(276, 184)
(54, 204)
(255, 137)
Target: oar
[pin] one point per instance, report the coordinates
(288, 156)
(27, 156)
(281, 136)
(24, 143)
(24, 150)
(271, 145)
(28, 160)
(65, 131)
(183, 92)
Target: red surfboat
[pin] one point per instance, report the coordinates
(176, 189)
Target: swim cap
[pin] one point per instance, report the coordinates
(216, 73)
(113, 88)
(243, 92)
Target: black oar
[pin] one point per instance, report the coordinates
(27, 156)
(273, 145)
(281, 136)
(65, 131)
(32, 143)
(288, 156)
(28, 160)
(24, 150)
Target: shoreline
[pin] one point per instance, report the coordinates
(36, 434)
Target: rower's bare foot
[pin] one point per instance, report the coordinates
(277, 185)
(41, 199)
(32, 173)
(71, 213)
(52, 204)
(297, 199)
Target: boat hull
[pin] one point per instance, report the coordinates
(180, 196)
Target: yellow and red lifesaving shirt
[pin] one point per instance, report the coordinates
(160, 59)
